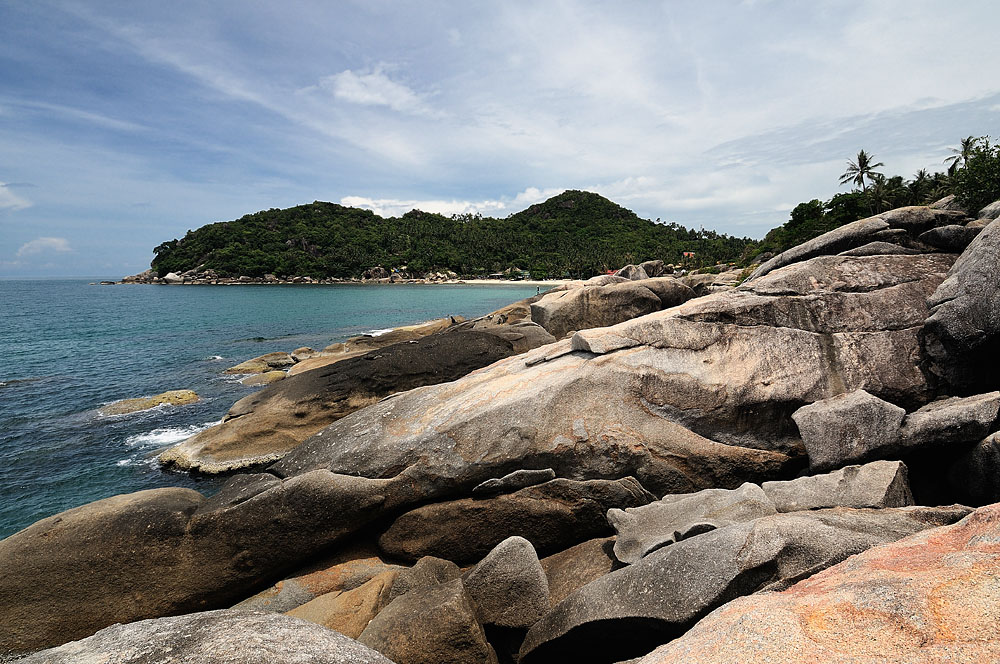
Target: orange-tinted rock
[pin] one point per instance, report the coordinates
(349, 612)
(932, 597)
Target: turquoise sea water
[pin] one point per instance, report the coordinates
(68, 347)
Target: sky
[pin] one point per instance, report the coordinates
(124, 124)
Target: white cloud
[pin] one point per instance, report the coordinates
(391, 207)
(11, 201)
(374, 88)
(44, 245)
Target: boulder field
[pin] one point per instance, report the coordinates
(613, 470)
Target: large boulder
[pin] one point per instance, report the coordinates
(214, 637)
(913, 220)
(593, 306)
(697, 396)
(263, 426)
(876, 484)
(632, 272)
(578, 565)
(975, 475)
(632, 610)
(962, 334)
(932, 597)
(430, 625)
(511, 482)
(429, 571)
(552, 516)
(509, 585)
(642, 530)
(847, 428)
(350, 611)
(168, 551)
(263, 364)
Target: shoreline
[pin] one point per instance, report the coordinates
(550, 283)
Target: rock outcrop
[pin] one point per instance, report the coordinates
(263, 426)
(962, 334)
(932, 597)
(876, 485)
(214, 637)
(628, 612)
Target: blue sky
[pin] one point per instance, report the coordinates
(124, 124)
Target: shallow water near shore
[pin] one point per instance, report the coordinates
(69, 347)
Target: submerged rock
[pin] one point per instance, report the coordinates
(263, 364)
(932, 597)
(170, 398)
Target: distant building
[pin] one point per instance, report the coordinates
(688, 254)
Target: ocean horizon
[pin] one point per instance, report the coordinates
(72, 347)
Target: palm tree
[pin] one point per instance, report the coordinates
(858, 170)
(920, 186)
(960, 154)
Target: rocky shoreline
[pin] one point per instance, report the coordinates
(795, 467)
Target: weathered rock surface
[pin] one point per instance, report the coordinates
(79, 571)
(951, 421)
(511, 482)
(952, 238)
(214, 637)
(263, 426)
(876, 484)
(991, 211)
(345, 570)
(671, 292)
(552, 516)
(932, 597)
(350, 611)
(698, 396)
(849, 427)
(630, 611)
(976, 474)
(578, 565)
(962, 334)
(428, 571)
(263, 364)
(878, 248)
(913, 220)
(642, 530)
(509, 585)
(365, 343)
(169, 398)
(632, 272)
(430, 625)
(593, 306)
(707, 283)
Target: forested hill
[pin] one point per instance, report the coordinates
(576, 234)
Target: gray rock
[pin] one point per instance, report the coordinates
(173, 278)
(642, 530)
(947, 203)
(878, 249)
(913, 220)
(214, 637)
(511, 482)
(850, 427)
(509, 585)
(949, 422)
(632, 273)
(670, 291)
(430, 625)
(579, 565)
(962, 335)
(428, 571)
(654, 268)
(592, 306)
(552, 516)
(991, 211)
(632, 610)
(953, 238)
(877, 484)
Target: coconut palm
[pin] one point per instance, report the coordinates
(961, 154)
(858, 170)
(920, 186)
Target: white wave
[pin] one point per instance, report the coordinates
(165, 436)
(379, 332)
(216, 358)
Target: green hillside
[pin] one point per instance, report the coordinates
(576, 234)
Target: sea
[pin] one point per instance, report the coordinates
(67, 347)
